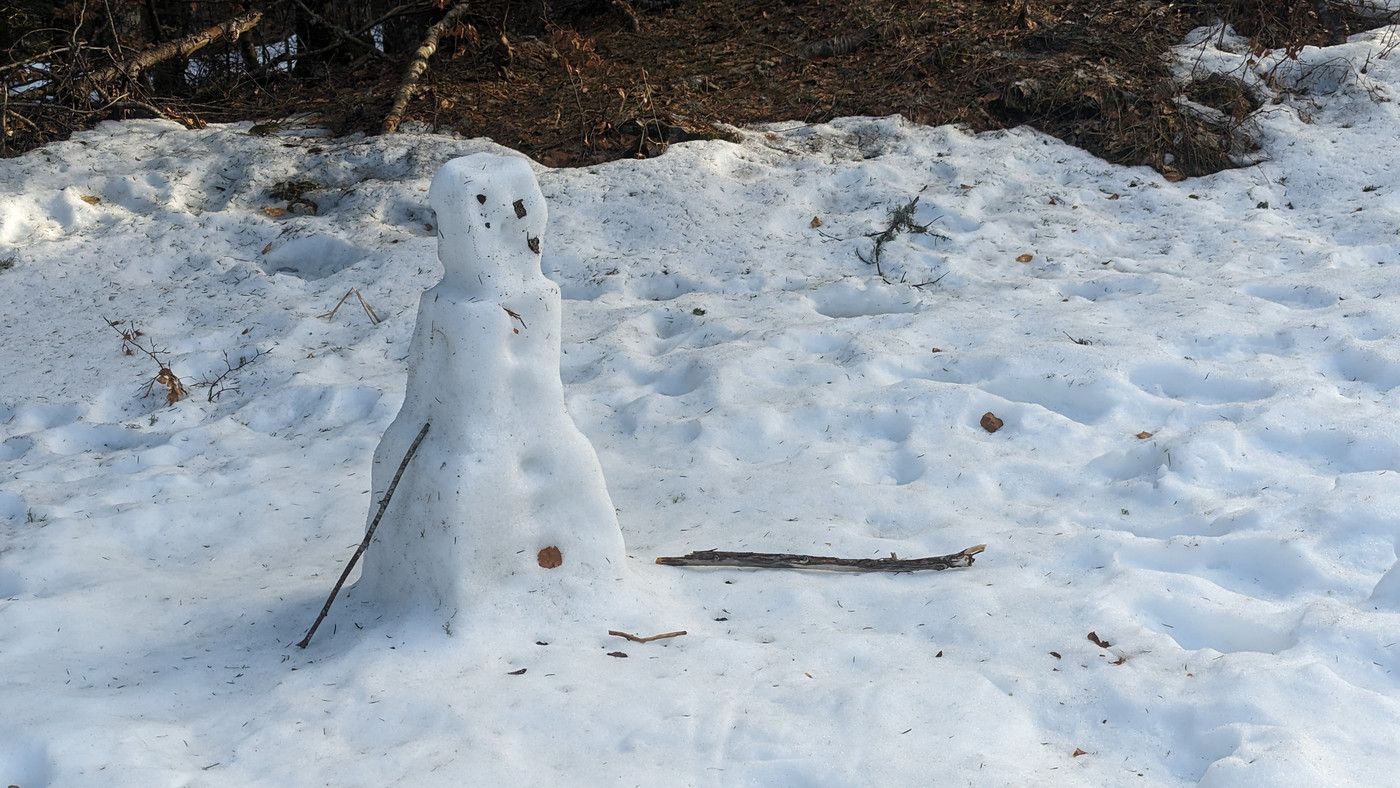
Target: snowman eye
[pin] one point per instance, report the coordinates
(533, 243)
(519, 206)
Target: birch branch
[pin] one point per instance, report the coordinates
(419, 65)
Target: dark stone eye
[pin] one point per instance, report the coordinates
(519, 206)
(534, 244)
(488, 225)
(481, 198)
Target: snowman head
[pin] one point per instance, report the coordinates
(490, 221)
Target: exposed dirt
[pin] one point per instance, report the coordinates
(589, 87)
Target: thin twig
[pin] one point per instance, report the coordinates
(795, 561)
(341, 34)
(636, 639)
(369, 535)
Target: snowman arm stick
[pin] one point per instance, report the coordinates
(369, 535)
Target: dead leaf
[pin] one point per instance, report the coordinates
(816, 221)
(1055, 654)
(939, 654)
(1112, 196)
(937, 350)
(91, 200)
(275, 213)
(1144, 435)
(1098, 641)
(428, 226)
(991, 423)
(1078, 752)
(520, 672)
(620, 654)
(1025, 258)
(267, 248)
(550, 557)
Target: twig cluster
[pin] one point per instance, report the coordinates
(901, 221)
(221, 383)
(131, 343)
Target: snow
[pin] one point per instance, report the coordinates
(1197, 380)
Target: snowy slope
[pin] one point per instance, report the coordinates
(1198, 464)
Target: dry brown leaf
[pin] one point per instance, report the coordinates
(1078, 752)
(275, 213)
(619, 654)
(91, 200)
(550, 557)
(991, 423)
(816, 221)
(1025, 258)
(1144, 435)
(1112, 196)
(267, 248)
(1098, 641)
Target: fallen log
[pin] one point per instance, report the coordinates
(829, 563)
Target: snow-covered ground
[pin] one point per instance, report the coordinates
(1191, 513)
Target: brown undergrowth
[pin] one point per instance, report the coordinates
(588, 87)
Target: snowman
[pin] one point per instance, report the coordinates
(503, 509)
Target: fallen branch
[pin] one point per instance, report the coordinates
(636, 639)
(369, 535)
(794, 561)
(131, 338)
(180, 47)
(217, 385)
(341, 34)
(419, 65)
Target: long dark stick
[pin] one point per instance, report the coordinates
(369, 534)
(793, 561)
